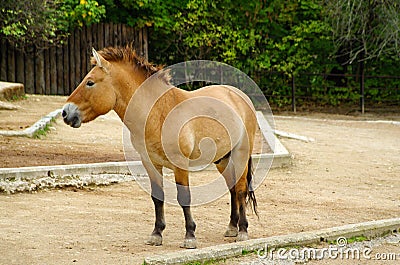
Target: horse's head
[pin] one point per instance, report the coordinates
(94, 96)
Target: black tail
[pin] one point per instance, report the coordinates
(250, 191)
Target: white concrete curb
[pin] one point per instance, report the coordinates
(78, 175)
(75, 169)
(367, 229)
(35, 178)
(39, 125)
(392, 122)
(294, 136)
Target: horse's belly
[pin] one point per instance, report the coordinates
(212, 140)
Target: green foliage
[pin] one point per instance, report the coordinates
(31, 22)
(290, 37)
(82, 12)
(271, 40)
(140, 13)
(46, 22)
(285, 36)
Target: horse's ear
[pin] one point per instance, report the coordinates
(100, 61)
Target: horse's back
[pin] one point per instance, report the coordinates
(231, 97)
(235, 117)
(225, 93)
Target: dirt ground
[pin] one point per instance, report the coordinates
(95, 142)
(349, 174)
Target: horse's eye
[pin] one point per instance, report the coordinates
(90, 83)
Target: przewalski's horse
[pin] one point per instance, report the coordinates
(117, 77)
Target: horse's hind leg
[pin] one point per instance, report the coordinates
(241, 188)
(184, 199)
(157, 195)
(232, 230)
(234, 170)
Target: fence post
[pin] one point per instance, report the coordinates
(293, 94)
(3, 60)
(362, 87)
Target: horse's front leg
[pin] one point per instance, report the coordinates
(157, 195)
(184, 199)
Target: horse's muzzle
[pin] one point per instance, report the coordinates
(72, 115)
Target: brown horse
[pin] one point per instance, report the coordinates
(119, 81)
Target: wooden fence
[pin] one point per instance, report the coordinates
(58, 70)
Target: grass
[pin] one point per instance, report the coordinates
(350, 240)
(17, 98)
(248, 252)
(207, 262)
(43, 131)
(356, 239)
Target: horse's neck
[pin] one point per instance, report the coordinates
(120, 108)
(127, 86)
(152, 95)
(146, 111)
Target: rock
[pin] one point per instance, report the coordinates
(10, 91)
(7, 106)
